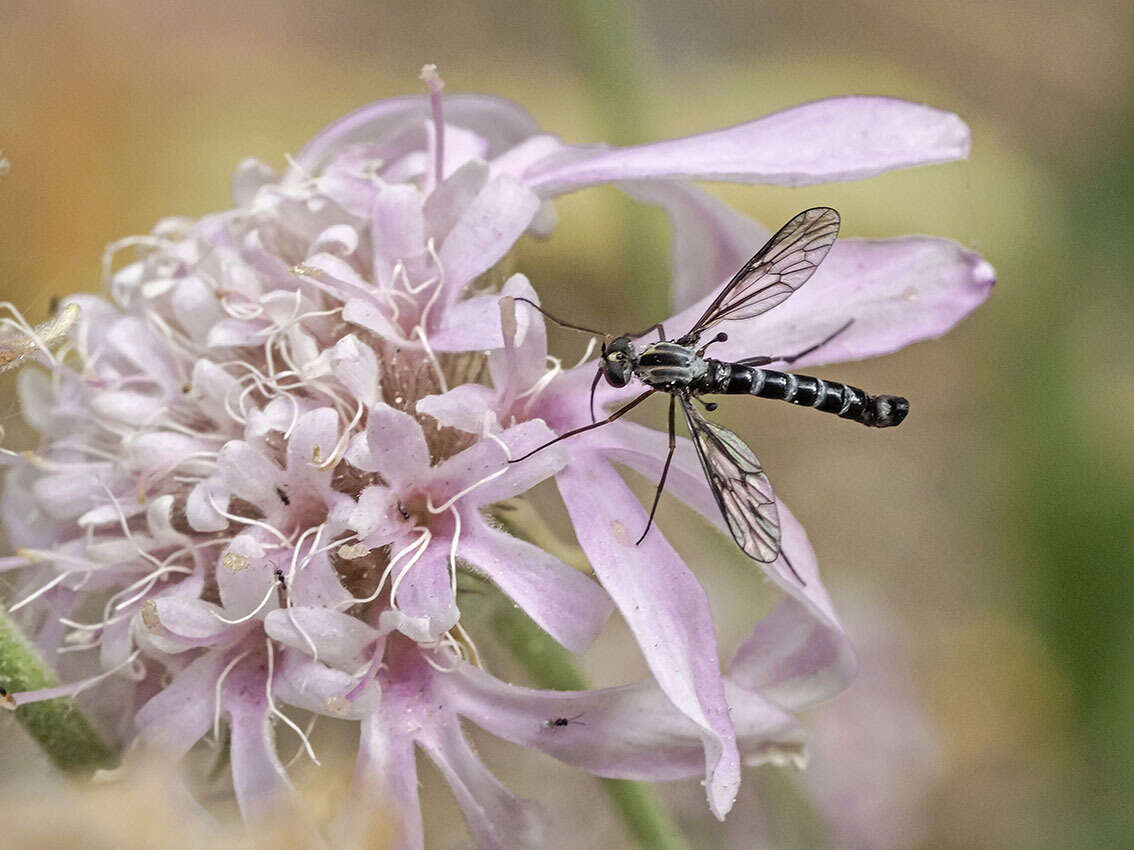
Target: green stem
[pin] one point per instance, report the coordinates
(609, 52)
(57, 725)
(551, 666)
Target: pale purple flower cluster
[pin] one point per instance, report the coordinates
(269, 451)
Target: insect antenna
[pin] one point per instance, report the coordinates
(560, 322)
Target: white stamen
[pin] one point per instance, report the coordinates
(274, 710)
(220, 681)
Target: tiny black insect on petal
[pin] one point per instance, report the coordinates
(283, 495)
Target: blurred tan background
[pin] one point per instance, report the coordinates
(981, 553)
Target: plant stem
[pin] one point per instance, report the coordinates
(57, 725)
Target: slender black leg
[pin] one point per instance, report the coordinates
(626, 408)
(764, 361)
(659, 327)
(665, 469)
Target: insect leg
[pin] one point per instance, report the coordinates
(659, 327)
(626, 408)
(764, 361)
(665, 469)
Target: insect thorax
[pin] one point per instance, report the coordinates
(666, 363)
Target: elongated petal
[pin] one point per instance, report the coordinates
(484, 467)
(523, 359)
(425, 593)
(628, 732)
(842, 138)
(561, 600)
(397, 229)
(176, 717)
(664, 606)
(897, 291)
(709, 242)
(794, 658)
(258, 776)
(643, 449)
(383, 788)
(490, 226)
(498, 820)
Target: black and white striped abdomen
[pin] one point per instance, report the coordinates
(843, 400)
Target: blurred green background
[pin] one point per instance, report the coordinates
(988, 540)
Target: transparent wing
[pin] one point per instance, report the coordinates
(781, 267)
(739, 484)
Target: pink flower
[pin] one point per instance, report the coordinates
(267, 455)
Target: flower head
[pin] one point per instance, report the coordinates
(269, 452)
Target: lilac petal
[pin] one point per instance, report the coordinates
(500, 121)
(356, 365)
(425, 593)
(367, 314)
(841, 138)
(342, 641)
(397, 229)
(317, 583)
(201, 508)
(643, 450)
(523, 156)
(65, 497)
(184, 624)
(627, 732)
(897, 291)
(448, 202)
(466, 407)
(485, 467)
(313, 686)
(710, 240)
(376, 518)
(794, 658)
(250, 475)
(475, 324)
(244, 579)
(313, 442)
(250, 174)
(664, 606)
(133, 340)
(517, 367)
(130, 408)
(491, 225)
(384, 787)
(258, 778)
(181, 713)
(196, 307)
(211, 385)
(497, 820)
(237, 333)
(163, 450)
(561, 600)
(397, 446)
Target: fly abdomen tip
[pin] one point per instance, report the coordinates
(888, 411)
